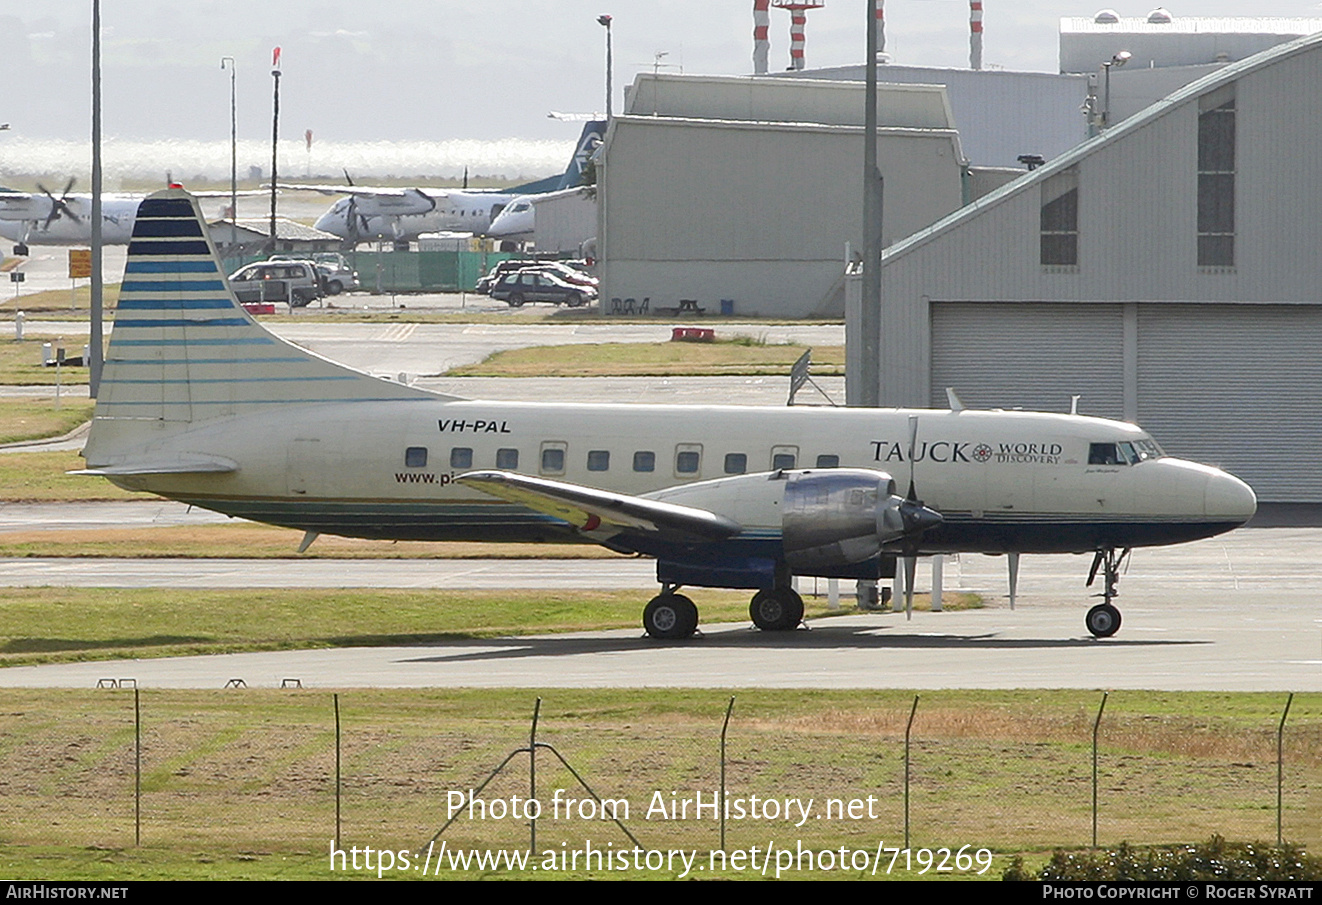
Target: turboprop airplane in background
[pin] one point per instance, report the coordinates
(406, 213)
(199, 403)
(40, 218)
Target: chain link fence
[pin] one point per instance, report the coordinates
(293, 771)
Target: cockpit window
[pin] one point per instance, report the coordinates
(1103, 454)
(1126, 452)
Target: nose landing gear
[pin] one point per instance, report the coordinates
(1103, 620)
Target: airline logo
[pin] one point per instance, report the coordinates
(969, 451)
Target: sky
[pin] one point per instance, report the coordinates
(441, 70)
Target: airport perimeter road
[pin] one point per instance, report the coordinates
(1234, 613)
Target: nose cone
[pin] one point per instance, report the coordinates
(1229, 498)
(333, 223)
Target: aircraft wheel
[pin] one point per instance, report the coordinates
(670, 616)
(21, 250)
(779, 610)
(1103, 620)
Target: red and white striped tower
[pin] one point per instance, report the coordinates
(880, 25)
(761, 35)
(798, 10)
(975, 34)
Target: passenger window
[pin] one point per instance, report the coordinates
(507, 459)
(461, 457)
(687, 461)
(553, 460)
(828, 461)
(415, 457)
(599, 460)
(644, 461)
(736, 463)
(782, 460)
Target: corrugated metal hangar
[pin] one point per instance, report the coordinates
(1167, 271)
(714, 187)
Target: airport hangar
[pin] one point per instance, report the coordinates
(1167, 271)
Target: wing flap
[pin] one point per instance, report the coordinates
(593, 510)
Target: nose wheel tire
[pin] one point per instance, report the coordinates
(777, 610)
(670, 616)
(1103, 620)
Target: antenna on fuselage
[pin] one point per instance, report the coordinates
(1074, 403)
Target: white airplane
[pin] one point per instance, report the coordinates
(40, 218)
(406, 213)
(517, 220)
(199, 403)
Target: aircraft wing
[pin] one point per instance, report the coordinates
(596, 510)
(362, 191)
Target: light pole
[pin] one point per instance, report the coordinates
(95, 326)
(605, 22)
(234, 155)
(275, 138)
(1119, 59)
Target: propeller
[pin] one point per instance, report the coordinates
(59, 206)
(917, 519)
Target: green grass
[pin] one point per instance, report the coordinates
(20, 362)
(239, 784)
(40, 476)
(36, 418)
(45, 625)
(738, 356)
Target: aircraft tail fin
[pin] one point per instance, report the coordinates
(589, 140)
(184, 351)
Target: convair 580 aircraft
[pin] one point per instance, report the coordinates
(201, 404)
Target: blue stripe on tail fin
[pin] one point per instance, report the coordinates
(184, 351)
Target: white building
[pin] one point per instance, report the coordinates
(750, 189)
(1167, 271)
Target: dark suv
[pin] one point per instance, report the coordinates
(532, 286)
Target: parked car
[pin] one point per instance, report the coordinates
(534, 286)
(510, 265)
(336, 274)
(295, 282)
(568, 274)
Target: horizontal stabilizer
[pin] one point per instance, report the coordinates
(176, 465)
(594, 510)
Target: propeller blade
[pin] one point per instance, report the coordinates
(913, 446)
(910, 572)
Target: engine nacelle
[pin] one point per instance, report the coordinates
(829, 518)
(839, 517)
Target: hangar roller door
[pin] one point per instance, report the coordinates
(1238, 386)
(1031, 355)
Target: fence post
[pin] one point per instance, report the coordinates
(1096, 723)
(532, 774)
(337, 770)
(1280, 765)
(907, 731)
(724, 727)
(137, 768)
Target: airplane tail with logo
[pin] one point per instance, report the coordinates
(588, 142)
(183, 351)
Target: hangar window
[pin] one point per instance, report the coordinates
(1060, 220)
(644, 460)
(507, 459)
(461, 457)
(1216, 178)
(415, 457)
(736, 463)
(599, 460)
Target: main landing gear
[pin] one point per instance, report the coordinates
(673, 616)
(669, 615)
(1103, 620)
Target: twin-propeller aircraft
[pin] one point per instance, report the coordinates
(199, 403)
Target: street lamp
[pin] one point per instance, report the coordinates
(234, 155)
(605, 22)
(1119, 59)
